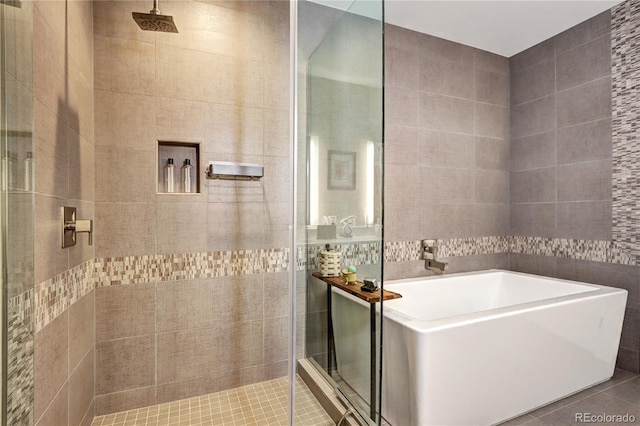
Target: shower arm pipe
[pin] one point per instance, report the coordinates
(155, 10)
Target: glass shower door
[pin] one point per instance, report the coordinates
(340, 187)
(16, 211)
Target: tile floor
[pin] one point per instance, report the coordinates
(618, 396)
(264, 403)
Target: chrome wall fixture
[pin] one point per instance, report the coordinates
(234, 171)
(429, 253)
(71, 226)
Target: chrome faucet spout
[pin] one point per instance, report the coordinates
(434, 264)
(429, 252)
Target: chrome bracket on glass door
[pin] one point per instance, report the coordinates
(71, 226)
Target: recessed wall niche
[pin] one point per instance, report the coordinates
(178, 153)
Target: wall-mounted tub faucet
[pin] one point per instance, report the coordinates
(429, 252)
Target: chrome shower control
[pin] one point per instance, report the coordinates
(71, 226)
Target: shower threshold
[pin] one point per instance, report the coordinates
(264, 403)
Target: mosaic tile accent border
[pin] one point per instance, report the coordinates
(404, 251)
(596, 251)
(592, 250)
(625, 68)
(20, 390)
(473, 246)
(365, 253)
(188, 266)
(57, 294)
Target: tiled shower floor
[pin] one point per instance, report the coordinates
(264, 403)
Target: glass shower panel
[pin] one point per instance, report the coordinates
(340, 179)
(16, 211)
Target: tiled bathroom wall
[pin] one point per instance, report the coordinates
(446, 148)
(561, 135)
(191, 299)
(64, 154)
(559, 193)
(561, 164)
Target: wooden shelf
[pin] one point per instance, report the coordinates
(354, 289)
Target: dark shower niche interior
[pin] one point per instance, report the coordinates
(179, 151)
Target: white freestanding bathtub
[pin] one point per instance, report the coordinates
(480, 348)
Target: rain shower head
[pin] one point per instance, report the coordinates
(154, 21)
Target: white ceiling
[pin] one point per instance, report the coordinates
(502, 27)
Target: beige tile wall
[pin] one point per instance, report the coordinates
(222, 81)
(446, 143)
(64, 176)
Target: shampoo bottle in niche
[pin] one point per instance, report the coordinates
(185, 176)
(7, 171)
(169, 170)
(28, 172)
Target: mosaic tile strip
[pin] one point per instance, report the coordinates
(402, 251)
(186, 266)
(596, 251)
(625, 71)
(20, 390)
(361, 253)
(473, 246)
(57, 294)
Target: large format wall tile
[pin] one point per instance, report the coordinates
(585, 142)
(445, 77)
(51, 363)
(401, 67)
(492, 153)
(533, 117)
(401, 106)
(81, 170)
(125, 400)
(588, 181)
(124, 364)
(135, 181)
(534, 82)
(444, 113)
(223, 347)
(450, 150)
(124, 229)
(58, 412)
(81, 387)
(50, 258)
(492, 87)
(125, 120)
(533, 186)
(124, 65)
(584, 64)
(589, 220)
(583, 33)
(587, 102)
(125, 311)
(187, 74)
(533, 219)
(533, 152)
(82, 327)
(52, 152)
